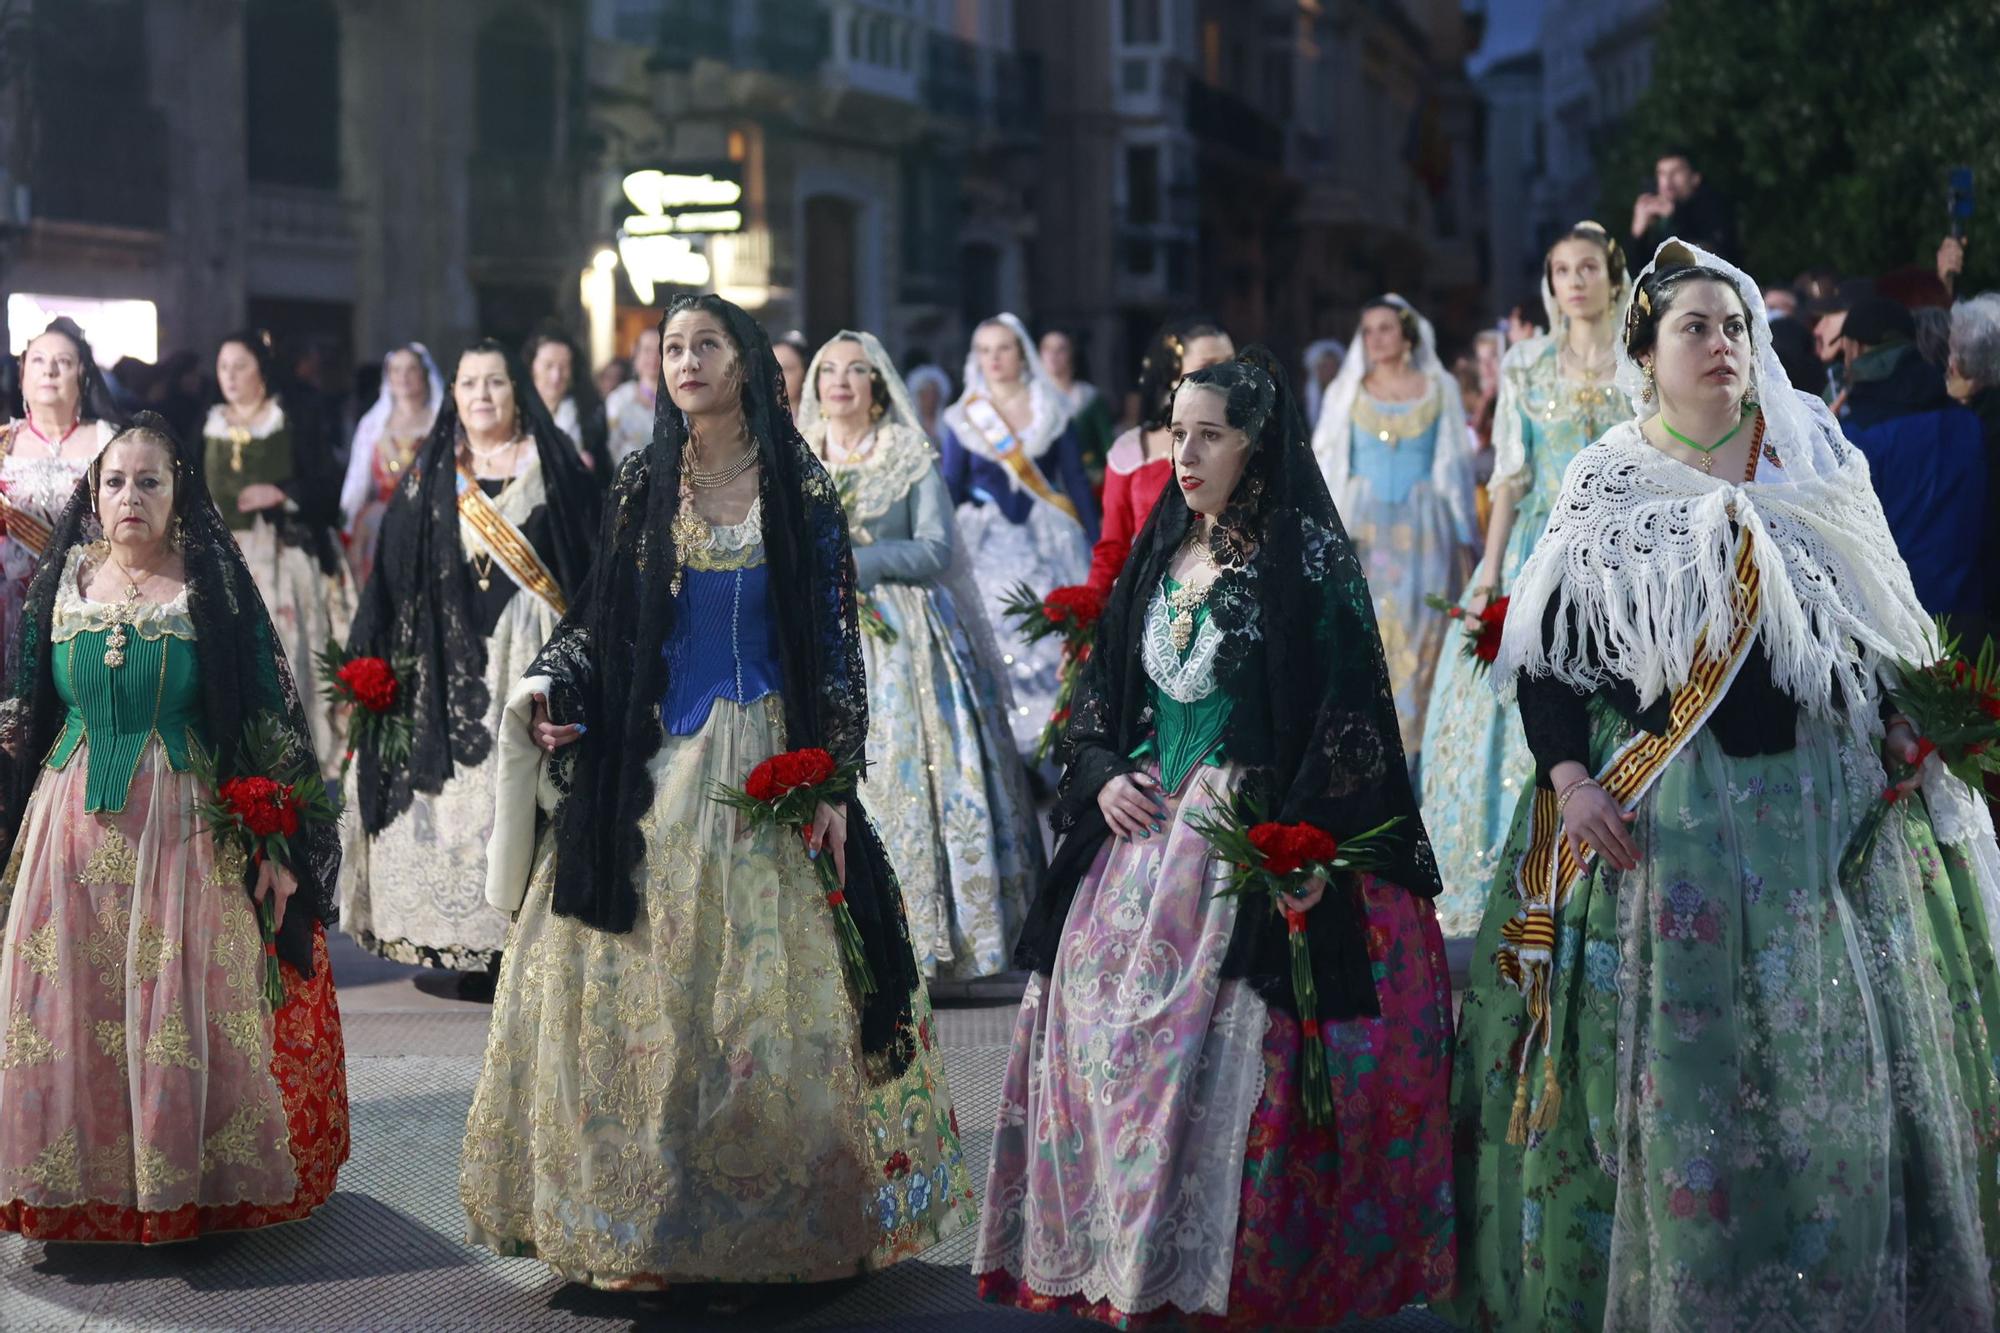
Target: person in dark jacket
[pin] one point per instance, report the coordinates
(1972, 377)
(1926, 455)
(1681, 205)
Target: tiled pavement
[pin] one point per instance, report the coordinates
(386, 1252)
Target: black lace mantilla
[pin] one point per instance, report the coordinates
(421, 602)
(1312, 718)
(243, 673)
(606, 668)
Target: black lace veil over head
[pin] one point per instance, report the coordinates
(418, 604)
(243, 673)
(1312, 719)
(607, 669)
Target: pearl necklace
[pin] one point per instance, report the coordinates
(708, 481)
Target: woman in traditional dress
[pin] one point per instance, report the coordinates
(1141, 460)
(1152, 1161)
(67, 420)
(1556, 396)
(1392, 444)
(572, 402)
(930, 393)
(386, 441)
(681, 1084)
(1322, 361)
(629, 408)
(1024, 505)
(274, 482)
(489, 536)
(147, 1090)
(949, 793)
(1089, 417)
(1705, 1078)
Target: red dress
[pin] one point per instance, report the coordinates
(1131, 487)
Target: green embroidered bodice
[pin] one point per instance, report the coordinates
(154, 693)
(1189, 712)
(237, 459)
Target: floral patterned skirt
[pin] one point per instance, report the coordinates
(308, 608)
(945, 789)
(687, 1102)
(1778, 1098)
(146, 1092)
(1152, 1163)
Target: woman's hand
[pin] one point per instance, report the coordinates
(273, 878)
(1132, 805)
(1592, 821)
(1305, 902)
(1901, 744)
(259, 495)
(828, 833)
(1484, 589)
(548, 736)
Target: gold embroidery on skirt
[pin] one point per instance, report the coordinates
(236, 1143)
(114, 862)
(104, 948)
(230, 863)
(244, 1029)
(57, 1169)
(154, 1173)
(42, 951)
(25, 1043)
(171, 1047)
(110, 1035)
(153, 951)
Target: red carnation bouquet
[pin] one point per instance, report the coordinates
(253, 815)
(1071, 612)
(1280, 861)
(373, 690)
(1482, 628)
(1954, 707)
(785, 791)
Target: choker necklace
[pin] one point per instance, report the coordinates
(1707, 451)
(708, 481)
(55, 445)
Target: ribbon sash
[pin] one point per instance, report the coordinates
(21, 525)
(511, 550)
(1550, 869)
(1004, 447)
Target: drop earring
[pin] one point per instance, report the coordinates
(1649, 389)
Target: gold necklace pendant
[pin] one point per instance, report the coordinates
(115, 642)
(238, 438)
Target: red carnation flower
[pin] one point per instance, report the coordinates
(762, 784)
(1990, 706)
(1080, 605)
(1492, 622)
(1310, 843)
(263, 806)
(1274, 843)
(371, 683)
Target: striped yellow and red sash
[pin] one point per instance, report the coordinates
(21, 525)
(1006, 450)
(512, 551)
(1549, 869)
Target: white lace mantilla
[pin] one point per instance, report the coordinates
(1640, 556)
(1182, 680)
(873, 485)
(76, 614)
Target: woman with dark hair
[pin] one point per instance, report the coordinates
(951, 800)
(1556, 396)
(1153, 1163)
(148, 1092)
(553, 363)
(386, 441)
(1024, 507)
(278, 486)
(1088, 414)
(1393, 446)
(681, 1083)
(67, 420)
(487, 539)
(1140, 462)
(1710, 1072)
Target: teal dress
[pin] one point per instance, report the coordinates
(1542, 422)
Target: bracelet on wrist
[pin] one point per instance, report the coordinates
(1562, 797)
